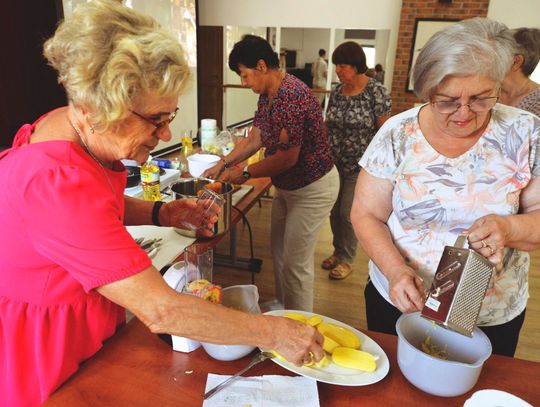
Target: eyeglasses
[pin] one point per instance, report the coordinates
(478, 105)
(158, 124)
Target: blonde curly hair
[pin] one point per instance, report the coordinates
(107, 54)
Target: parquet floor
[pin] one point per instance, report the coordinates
(343, 300)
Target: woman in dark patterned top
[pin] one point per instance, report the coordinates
(288, 124)
(518, 89)
(357, 108)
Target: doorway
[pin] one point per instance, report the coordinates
(210, 73)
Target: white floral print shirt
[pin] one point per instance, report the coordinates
(435, 198)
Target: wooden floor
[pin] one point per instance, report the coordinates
(343, 300)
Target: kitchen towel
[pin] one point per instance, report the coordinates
(263, 391)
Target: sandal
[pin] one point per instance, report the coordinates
(330, 262)
(341, 271)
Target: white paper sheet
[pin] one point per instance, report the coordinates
(263, 391)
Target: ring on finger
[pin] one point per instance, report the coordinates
(484, 245)
(491, 250)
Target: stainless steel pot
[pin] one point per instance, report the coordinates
(188, 188)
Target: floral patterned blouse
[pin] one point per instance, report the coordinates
(352, 123)
(295, 109)
(436, 197)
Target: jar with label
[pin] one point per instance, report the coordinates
(150, 181)
(208, 134)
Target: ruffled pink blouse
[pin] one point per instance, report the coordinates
(62, 235)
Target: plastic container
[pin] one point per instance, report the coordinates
(208, 133)
(150, 181)
(198, 163)
(446, 378)
(243, 298)
(187, 143)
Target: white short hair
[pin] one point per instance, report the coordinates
(478, 46)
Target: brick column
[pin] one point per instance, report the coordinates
(410, 11)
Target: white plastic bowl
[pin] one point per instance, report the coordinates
(198, 163)
(243, 298)
(446, 378)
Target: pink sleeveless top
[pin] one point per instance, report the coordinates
(62, 235)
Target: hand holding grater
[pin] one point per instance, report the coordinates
(458, 288)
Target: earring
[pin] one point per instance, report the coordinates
(91, 129)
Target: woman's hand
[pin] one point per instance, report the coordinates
(181, 212)
(406, 289)
(297, 342)
(215, 171)
(488, 236)
(233, 175)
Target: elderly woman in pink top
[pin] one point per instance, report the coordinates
(68, 267)
(459, 163)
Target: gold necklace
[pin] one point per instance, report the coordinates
(85, 146)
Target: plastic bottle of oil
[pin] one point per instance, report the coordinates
(150, 181)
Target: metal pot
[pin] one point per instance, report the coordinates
(188, 188)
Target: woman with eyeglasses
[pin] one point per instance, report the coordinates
(68, 266)
(460, 163)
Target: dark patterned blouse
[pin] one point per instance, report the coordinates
(296, 110)
(531, 102)
(352, 123)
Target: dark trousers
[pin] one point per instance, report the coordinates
(382, 317)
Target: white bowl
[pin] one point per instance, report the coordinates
(198, 163)
(227, 352)
(446, 378)
(243, 298)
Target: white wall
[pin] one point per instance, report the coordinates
(308, 14)
(369, 14)
(238, 104)
(174, 18)
(515, 13)
(314, 40)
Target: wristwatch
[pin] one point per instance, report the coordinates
(246, 173)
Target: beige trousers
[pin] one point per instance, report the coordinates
(297, 218)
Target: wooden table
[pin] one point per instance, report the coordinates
(136, 368)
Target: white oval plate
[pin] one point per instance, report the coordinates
(333, 373)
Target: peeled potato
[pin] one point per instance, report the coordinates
(354, 359)
(329, 344)
(314, 320)
(342, 336)
(296, 317)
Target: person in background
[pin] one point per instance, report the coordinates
(319, 72)
(518, 89)
(379, 73)
(288, 124)
(461, 163)
(68, 266)
(357, 108)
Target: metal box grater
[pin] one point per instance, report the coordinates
(458, 288)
